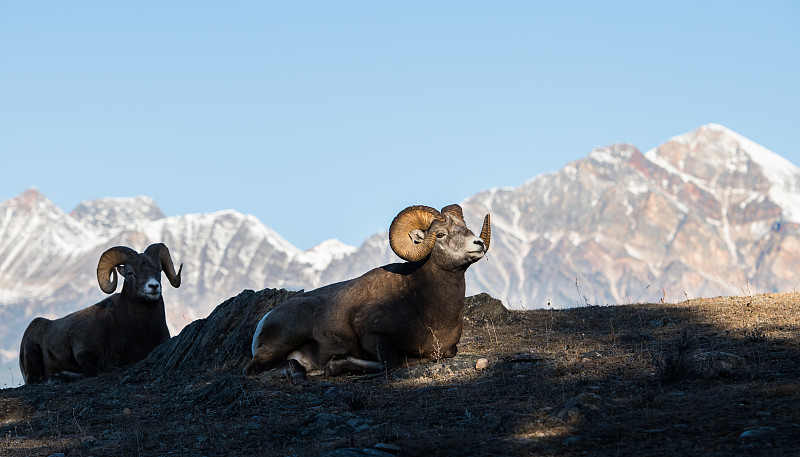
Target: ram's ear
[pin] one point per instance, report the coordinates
(417, 236)
(416, 219)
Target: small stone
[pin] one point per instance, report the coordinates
(387, 447)
(759, 432)
(127, 412)
(482, 364)
(57, 454)
(582, 404)
(88, 441)
(572, 440)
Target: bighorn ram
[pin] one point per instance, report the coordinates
(388, 315)
(118, 331)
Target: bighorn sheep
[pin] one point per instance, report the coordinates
(390, 314)
(118, 331)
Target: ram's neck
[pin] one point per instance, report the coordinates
(441, 292)
(137, 310)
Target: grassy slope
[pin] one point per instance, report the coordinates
(623, 380)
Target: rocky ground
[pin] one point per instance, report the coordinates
(710, 377)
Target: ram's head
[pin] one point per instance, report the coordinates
(141, 272)
(418, 232)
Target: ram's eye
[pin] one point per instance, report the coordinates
(440, 235)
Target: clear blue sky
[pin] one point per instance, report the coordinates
(324, 119)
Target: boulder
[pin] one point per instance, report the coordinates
(220, 342)
(483, 308)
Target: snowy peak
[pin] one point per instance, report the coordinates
(28, 202)
(109, 213)
(717, 155)
(321, 255)
(708, 155)
(716, 158)
(35, 238)
(614, 155)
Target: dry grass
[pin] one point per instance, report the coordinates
(624, 380)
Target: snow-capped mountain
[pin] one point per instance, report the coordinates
(707, 213)
(108, 214)
(35, 236)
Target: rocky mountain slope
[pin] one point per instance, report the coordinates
(707, 213)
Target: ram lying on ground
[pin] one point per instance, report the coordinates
(388, 315)
(118, 331)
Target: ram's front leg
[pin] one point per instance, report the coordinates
(450, 352)
(352, 364)
(376, 345)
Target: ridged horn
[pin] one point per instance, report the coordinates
(486, 233)
(106, 267)
(455, 210)
(413, 218)
(161, 252)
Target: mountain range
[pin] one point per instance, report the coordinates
(706, 213)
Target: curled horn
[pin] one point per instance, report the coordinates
(486, 233)
(413, 218)
(117, 255)
(455, 210)
(161, 252)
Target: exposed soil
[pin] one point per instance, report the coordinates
(711, 377)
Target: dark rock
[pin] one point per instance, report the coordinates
(572, 440)
(217, 343)
(460, 364)
(522, 363)
(387, 447)
(580, 406)
(706, 363)
(326, 426)
(758, 433)
(483, 308)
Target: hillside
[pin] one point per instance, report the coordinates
(714, 377)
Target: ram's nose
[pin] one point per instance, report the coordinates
(478, 246)
(152, 287)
